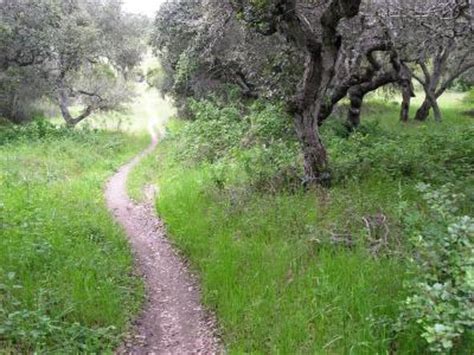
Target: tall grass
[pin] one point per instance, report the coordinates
(293, 271)
(66, 278)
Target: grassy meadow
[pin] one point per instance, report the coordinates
(67, 283)
(300, 272)
(286, 270)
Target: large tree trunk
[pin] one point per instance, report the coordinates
(321, 55)
(430, 102)
(305, 112)
(358, 92)
(316, 166)
(408, 91)
(432, 81)
(424, 111)
(63, 100)
(434, 104)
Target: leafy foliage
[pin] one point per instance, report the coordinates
(39, 129)
(259, 140)
(258, 143)
(441, 301)
(66, 277)
(372, 149)
(77, 52)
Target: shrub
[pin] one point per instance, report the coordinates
(441, 299)
(260, 143)
(212, 135)
(38, 129)
(268, 123)
(272, 167)
(446, 155)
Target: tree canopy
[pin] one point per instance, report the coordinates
(311, 55)
(75, 52)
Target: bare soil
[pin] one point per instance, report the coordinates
(173, 320)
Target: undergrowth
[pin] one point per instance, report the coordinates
(295, 271)
(66, 278)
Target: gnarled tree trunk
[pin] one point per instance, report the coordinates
(306, 108)
(433, 99)
(64, 106)
(358, 92)
(321, 57)
(321, 50)
(432, 80)
(356, 99)
(423, 111)
(430, 102)
(316, 165)
(408, 91)
(405, 106)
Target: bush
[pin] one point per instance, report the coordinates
(445, 154)
(38, 129)
(272, 167)
(441, 295)
(268, 123)
(259, 143)
(214, 133)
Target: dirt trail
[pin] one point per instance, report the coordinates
(173, 320)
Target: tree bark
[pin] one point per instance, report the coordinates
(405, 107)
(316, 165)
(408, 91)
(321, 52)
(64, 106)
(431, 82)
(356, 98)
(424, 111)
(321, 56)
(434, 104)
(430, 102)
(358, 92)
(305, 112)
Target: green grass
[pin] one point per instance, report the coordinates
(66, 278)
(272, 286)
(266, 262)
(147, 171)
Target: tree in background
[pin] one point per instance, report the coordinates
(76, 52)
(436, 38)
(24, 48)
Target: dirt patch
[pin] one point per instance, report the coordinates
(173, 320)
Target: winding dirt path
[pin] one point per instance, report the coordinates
(173, 320)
